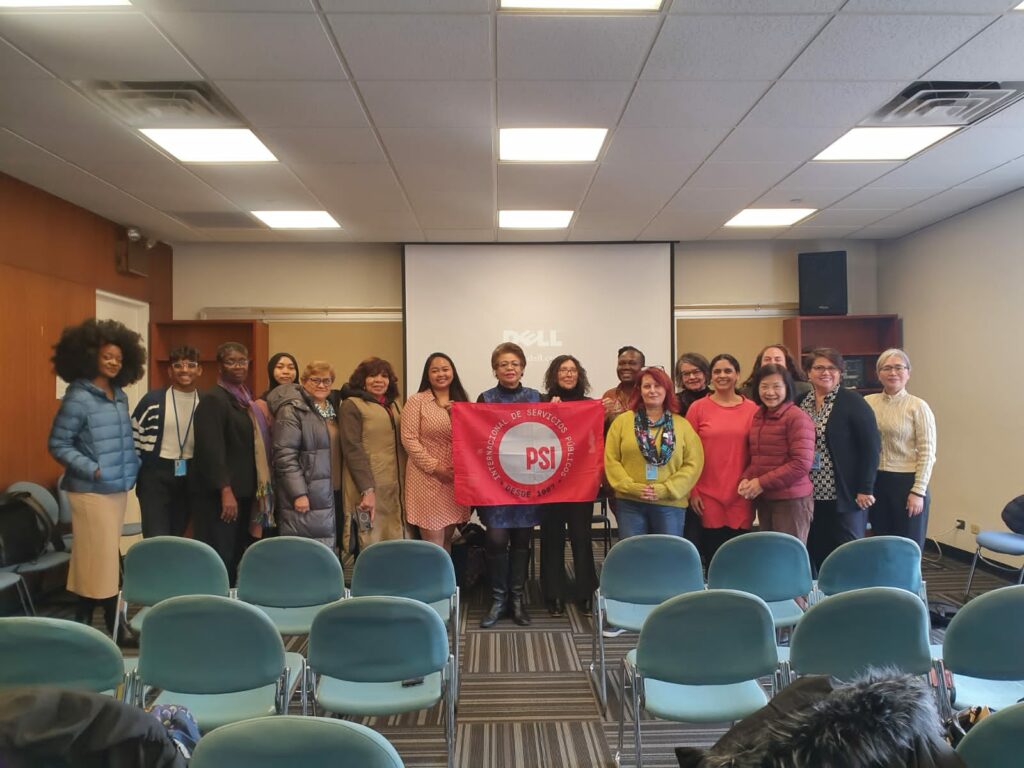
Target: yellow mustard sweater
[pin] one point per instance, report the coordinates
(625, 466)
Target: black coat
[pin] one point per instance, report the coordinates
(225, 452)
(855, 446)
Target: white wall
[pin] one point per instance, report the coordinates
(958, 286)
(286, 275)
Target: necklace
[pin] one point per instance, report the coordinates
(325, 409)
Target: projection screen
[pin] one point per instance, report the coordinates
(582, 299)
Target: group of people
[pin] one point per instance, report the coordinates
(349, 466)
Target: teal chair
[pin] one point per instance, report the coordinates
(639, 574)
(221, 658)
(415, 569)
(845, 634)
(984, 649)
(43, 651)
(875, 561)
(378, 656)
(698, 660)
(167, 566)
(996, 741)
(297, 742)
(774, 566)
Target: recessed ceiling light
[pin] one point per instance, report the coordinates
(211, 145)
(769, 217)
(534, 219)
(884, 143)
(60, 3)
(550, 145)
(581, 5)
(297, 219)
(1019, 7)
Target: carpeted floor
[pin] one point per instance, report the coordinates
(526, 696)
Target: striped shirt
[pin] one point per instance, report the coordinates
(907, 426)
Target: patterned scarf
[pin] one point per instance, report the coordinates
(263, 505)
(642, 428)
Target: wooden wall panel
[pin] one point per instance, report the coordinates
(54, 256)
(742, 338)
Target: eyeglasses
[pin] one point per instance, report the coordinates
(184, 365)
(316, 381)
(574, 371)
(242, 363)
(824, 369)
(690, 374)
(514, 364)
(893, 369)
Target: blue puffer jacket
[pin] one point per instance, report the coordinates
(92, 432)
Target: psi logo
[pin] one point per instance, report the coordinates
(529, 452)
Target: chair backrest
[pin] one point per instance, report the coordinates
(873, 627)
(298, 742)
(995, 742)
(876, 561)
(404, 568)
(168, 566)
(42, 495)
(986, 637)
(63, 502)
(290, 572)
(715, 637)
(772, 565)
(43, 651)
(650, 569)
(377, 639)
(209, 644)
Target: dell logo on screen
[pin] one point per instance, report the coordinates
(532, 338)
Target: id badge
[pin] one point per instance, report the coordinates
(180, 467)
(816, 464)
(652, 472)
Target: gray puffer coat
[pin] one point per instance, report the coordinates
(302, 465)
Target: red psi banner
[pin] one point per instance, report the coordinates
(527, 453)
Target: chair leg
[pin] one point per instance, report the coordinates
(637, 733)
(970, 576)
(24, 590)
(622, 712)
(449, 709)
(602, 682)
(457, 678)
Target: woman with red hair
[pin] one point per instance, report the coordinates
(652, 458)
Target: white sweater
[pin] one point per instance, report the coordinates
(907, 426)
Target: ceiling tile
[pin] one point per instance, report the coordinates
(254, 46)
(460, 235)
(450, 196)
(543, 187)
(408, 6)
(875, 198)
(96, 46)
(848, 218)
(415, 47)
(797, 103)
(164, 184)
(755, 6)
(1004, 178)
(671, 227)
(543, 47)
(561, 103)
(660, 103)
(258, 186)
(357, 187)
(883, 47)
(646, 146)
(532, 235)
(429, 103)
(752, 141)
(467, 146)
(295, 103)
(748, 175)
(235, 6)
(712, 201)
(880, 231)
(800, 198)
(729, 47)
(593, 219)
(17, 66)
(635, 187)
(925, 6)
(850, 176)
(996, 54)
(811, 232)
(324, 145)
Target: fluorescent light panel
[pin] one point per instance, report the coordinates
(534, 219)
(550, 145)
(769, 217)
(884, 143)
(61, 3)
(211, 145)
(580, 5)
(297, 219)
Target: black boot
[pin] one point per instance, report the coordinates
(517, 586)
(497, 569)
(84, 610)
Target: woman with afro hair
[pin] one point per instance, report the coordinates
(92, 438)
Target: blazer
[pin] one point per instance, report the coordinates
(855, 446)
(225, 446)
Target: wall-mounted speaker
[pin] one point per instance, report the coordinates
(822, 283)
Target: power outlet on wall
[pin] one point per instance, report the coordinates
(975, 529)
(961, 525)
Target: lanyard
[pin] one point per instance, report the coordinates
(177, 423)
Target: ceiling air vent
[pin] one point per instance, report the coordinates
(161, 104)
(946, 103)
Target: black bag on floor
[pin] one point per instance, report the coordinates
(25, 529)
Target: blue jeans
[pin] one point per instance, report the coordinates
(639, 517)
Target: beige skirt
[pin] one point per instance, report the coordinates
(96, 522)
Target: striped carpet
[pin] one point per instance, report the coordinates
(526, 697)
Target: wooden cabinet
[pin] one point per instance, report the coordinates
(859, 338)
(207, 335)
